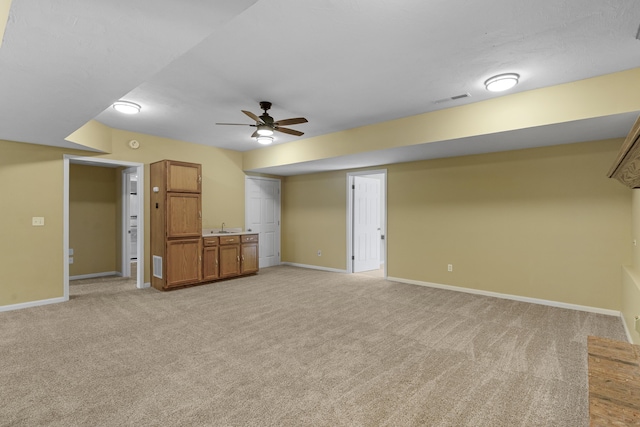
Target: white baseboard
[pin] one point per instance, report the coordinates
(145, 285)
(626, 329)
(313, 267)
(511, 297)
(32, 304)
(94, 275)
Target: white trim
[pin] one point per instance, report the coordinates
(314, 267)
(65, 228)
(32, 304)
(94, 275)
(626, 329)
(145, 285)
(510, 297)
(350, 182)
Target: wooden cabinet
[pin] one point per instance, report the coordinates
(182, 177)
(182, 262)
(229, 256)
(249, 254)
(184, 217)
(180, 256)
(210, 263)
(176, 224)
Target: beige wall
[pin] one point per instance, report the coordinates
(543, 223)
(93, 201)
(31, 184)
(30, 257)
(314, 218)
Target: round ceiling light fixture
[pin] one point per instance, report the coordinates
(265, 140)
(264, 130)
(502, 82)
(126, 107)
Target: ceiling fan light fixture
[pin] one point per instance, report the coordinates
(264, 130)
(502, 82)
(126, 107)
(265, 140)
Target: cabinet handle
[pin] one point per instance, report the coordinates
(199, 179)
(242, 257)
(238, 259)
(200, 214)
(216, 262)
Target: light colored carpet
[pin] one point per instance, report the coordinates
(294, 347)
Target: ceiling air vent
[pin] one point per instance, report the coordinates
(453, 98)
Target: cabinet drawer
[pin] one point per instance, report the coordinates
(249, 238)
(229, 240)
(210, 241)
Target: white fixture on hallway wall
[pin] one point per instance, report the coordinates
(502, 82)
(126, 107)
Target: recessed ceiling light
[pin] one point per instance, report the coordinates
(126, 107)
(265, 140)
(502, 82)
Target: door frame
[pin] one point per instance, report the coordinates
(93, 161)
(350, 212)
(247, 178)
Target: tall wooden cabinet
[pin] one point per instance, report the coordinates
(176, 224)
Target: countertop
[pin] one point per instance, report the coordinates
(215, 232)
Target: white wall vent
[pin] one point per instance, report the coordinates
(157, 266)
(452, 98)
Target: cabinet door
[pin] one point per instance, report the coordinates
(184, 177)
(184, 217)
(229, 260)
(210, 270)
(249, 258)
(183, 262)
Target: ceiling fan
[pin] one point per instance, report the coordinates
(266, 125)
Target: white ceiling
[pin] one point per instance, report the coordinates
(339, 63)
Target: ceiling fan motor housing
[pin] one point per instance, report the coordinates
(265, 105)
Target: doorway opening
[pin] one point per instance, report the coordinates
(367, 222)
(138, 170)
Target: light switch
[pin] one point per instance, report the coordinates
(37, 221)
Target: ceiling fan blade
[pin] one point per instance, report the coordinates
(234, 124)
(289, 131)
(294, 121)
(253, 116)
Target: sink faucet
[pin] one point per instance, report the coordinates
(222, 229)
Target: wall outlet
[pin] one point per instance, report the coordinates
(319, 252)
(449, 267)
(37, 221)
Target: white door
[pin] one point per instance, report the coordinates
(263, 217)
(129, 219)
(366, 224)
